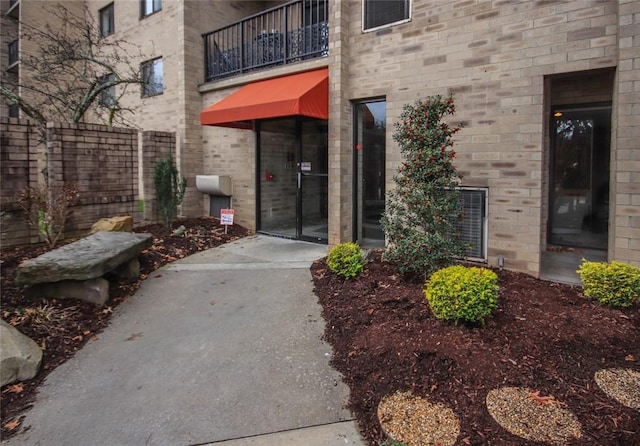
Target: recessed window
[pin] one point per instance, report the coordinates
(152, 76)
(148, 7)
(377, 13)
(14, 111)
(13, 52)
(106, 21)
(108, 96)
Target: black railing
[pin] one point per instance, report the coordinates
(289, 33)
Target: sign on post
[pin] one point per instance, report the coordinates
(226, 218)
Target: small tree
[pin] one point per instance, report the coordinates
(170, 189)
(47, 208)
(421, 212)
(68, 69)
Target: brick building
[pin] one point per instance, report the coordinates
(296, 101)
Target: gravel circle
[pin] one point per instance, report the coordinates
(623, 385)
(417, 422)
(526, 414)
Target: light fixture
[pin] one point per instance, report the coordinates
(557, 114)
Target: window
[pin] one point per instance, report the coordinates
(14, 111)
(13, 52)
(106, 21)
(148, 7)
(108, 96)
(378, 13)
(473, 226)
(152, 76)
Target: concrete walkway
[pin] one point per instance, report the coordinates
(220, 348)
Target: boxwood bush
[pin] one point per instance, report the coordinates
(346, 260)
(615, 284)
(460, 293)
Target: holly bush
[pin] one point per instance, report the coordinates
(462, 293)
(422, 210)
(615, 284)
(346, 260)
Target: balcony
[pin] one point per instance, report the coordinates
(282, 35)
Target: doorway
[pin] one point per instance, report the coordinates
(370, 171)
(293, 178)
(579, 194)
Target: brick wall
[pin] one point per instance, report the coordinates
(624, 238)
(103, 162)
(19, 151)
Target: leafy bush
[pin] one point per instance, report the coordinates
(460, 293)
(615, 284)
(346, 260)
(169, 188)
(423, 209)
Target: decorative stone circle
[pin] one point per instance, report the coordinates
(623, 385)
(415, 421)
(526, 414)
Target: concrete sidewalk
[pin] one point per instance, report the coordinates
(220, 348)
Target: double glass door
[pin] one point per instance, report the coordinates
(293, 178)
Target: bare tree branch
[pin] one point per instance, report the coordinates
(65, 76)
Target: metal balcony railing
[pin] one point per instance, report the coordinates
(285, 34)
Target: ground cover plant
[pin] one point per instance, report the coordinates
(543, 336)
(62, 327)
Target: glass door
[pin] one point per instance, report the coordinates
(370, 151)
(579, 211)
(277, 181)
(293, 178)
(314, 186)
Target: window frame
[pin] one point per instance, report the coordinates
(409, 4)
(109, 9)
(146, 91)
(155, 6)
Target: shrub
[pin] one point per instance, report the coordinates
(423, 209)
(346, 260)
(169, 188)
(47, 208)
(460, 293)
(615, 284)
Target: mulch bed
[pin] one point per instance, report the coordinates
(544, 336)
(62, 327)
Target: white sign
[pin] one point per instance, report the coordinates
(226, 217)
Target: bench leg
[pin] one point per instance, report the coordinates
(95, 291)
(129, 270)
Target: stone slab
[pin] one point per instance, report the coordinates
(87, 258)
(95, 291)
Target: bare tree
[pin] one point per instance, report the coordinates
(68, 69)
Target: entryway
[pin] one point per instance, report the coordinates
(292, 179)
(370, 119)
(579, 174)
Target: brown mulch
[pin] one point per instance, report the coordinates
(62, 327)
(543, 336)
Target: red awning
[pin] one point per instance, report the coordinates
(305, 94)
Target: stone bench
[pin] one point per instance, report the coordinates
(75, 270)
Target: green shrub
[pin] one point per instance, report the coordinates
(615, 284)
(170, 189)
(460, 293)
(346, 260)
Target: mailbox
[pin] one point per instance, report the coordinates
(219, 188)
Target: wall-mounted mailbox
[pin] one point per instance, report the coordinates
(219, 185)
